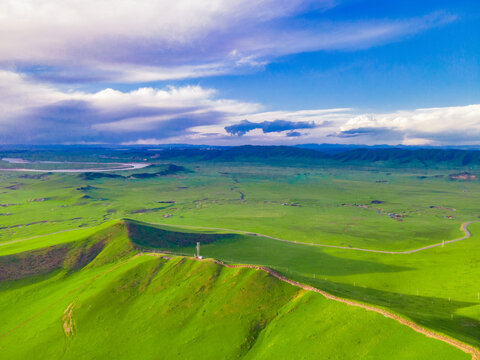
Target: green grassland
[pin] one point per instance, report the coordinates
(374, 208)
(335, 205)
(96, 299)
(437, 288)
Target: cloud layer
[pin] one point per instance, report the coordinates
(49, 45)
(34, 113)
(43, 114)
(117, 40)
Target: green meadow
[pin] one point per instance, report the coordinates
(315, 205)
(104, 302)
(437, 288)
(378, 208)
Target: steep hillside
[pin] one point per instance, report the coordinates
(160, 308)
(109, 303)
(104, 246)
(149, 236)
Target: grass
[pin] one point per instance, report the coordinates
(335, 208)
(156, 308)
(21, 245)
(437, 288)
(208, 197)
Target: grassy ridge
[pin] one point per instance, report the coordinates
(437, 288)
(116, 306)
(151, 236)
(104, 245)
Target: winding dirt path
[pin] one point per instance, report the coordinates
(463, 227)
(431, 334)
(453, 342)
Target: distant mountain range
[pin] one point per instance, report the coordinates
(341, 155)
(327, 154)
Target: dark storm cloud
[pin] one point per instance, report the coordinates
(245, 126)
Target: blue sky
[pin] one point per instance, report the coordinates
(283, 72)
(436, 67)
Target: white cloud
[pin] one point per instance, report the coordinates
(37, 113)
(33, 112)
(431, 120)
(17, 93)
(317, 115)
(429, 126)
(126, 41)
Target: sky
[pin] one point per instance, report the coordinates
(232, 72)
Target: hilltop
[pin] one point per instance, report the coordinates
(97, 297)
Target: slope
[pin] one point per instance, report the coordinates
(110, 303)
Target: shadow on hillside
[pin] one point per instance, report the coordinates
(301, 258)
(151, 237)
(431, 312)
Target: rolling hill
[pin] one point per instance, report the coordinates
(99, 297)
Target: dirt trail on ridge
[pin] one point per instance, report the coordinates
(453, 342)
(431, 334)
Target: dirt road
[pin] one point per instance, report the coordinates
(431, 334)
(453, 342)
(463, 227)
